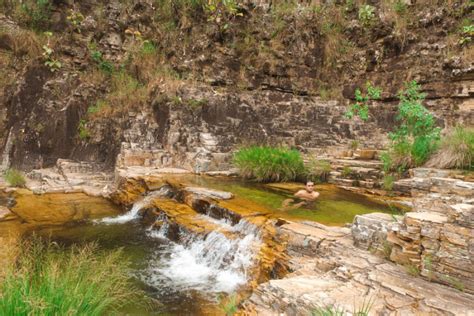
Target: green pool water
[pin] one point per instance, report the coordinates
(335, 206)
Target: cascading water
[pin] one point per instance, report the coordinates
(213, 263)
(137, 206)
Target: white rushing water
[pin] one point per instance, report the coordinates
(213, 263)
(134, 211)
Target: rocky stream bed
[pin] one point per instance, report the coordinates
(192, 241)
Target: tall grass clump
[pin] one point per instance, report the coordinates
(456, 150)
(266, 164)
(47, 280)
(14, 178)
(318, 170)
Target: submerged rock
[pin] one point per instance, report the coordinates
(210, 193)
(59, 208)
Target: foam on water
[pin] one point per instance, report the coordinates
(134, 211)
(213, 263)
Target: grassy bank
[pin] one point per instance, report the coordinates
(43, 280)
(269, 164)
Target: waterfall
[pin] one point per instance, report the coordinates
(137, 206)
(6, 152)
(211, 263)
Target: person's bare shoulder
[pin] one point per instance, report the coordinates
(300, 193)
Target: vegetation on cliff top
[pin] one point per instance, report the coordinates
(44, 281)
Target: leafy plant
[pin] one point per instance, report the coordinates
(219, 9)
(75, 18)
(467, 33)
(265, 164)
(14, 178)
(104, 65)
(83, 130)
(361, 107)
(47, 280)
(456, 150)
(417, 136)
(366, 14)
(52, 63)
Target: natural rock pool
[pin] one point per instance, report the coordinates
(185, 269)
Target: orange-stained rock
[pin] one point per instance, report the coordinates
(59, 208)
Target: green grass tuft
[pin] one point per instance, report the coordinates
(14, 178)
(82, 281)
(266, 164)
(318, 170)
(456, 150)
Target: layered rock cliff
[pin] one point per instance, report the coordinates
(163, 83)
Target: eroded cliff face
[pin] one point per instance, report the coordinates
(212, 81)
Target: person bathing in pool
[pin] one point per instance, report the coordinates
(307, 196)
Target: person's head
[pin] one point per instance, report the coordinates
(309, 186)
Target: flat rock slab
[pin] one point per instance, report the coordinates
(426, 217)
(213, 194)
(6, 214)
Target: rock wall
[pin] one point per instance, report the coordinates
(436, 239)
(216, 88)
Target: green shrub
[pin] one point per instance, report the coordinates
(148, 48)
(83, 130)
(346, 171)
(264, 163)
(14, 178)
(456, 150)
(361, 107)
(467, 33)
(103, 64)
(37, 13)
(400, 7)
(366, 14)
(318, 170)
(44, 280)
(417, 137)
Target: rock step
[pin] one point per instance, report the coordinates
(438, 185)
(355, 183)
(185, 217)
